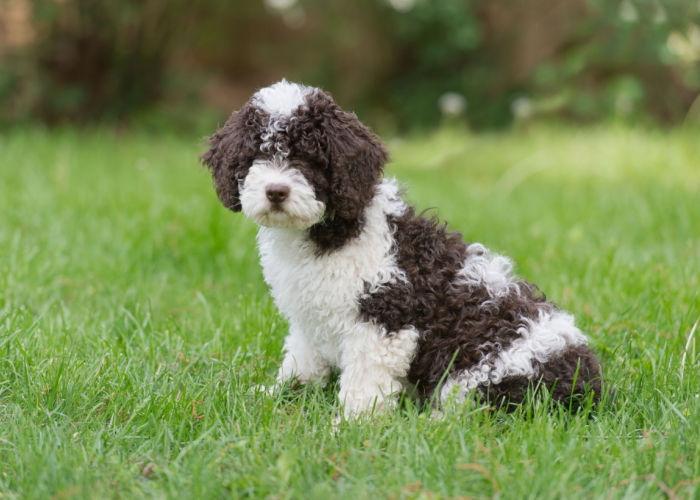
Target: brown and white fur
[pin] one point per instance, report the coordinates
(390, 299)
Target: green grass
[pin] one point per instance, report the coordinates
(134, 320)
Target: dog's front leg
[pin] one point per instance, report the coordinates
(302, 361)
(374, 363)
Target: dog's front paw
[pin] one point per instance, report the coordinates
(360, 403)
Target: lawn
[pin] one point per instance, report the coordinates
(134, 319)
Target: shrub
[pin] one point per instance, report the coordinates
(89, 60)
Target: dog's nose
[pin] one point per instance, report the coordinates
(277, 193)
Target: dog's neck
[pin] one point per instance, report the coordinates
(335, 232)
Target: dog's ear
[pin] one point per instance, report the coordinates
(231, 151)
(355, 161)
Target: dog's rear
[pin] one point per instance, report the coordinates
(482, 329)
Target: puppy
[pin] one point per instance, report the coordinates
(389, 298)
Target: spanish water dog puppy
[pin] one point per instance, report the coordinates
(389, 298)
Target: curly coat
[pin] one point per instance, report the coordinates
(389, 298)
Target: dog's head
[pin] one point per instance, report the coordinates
(290, 157)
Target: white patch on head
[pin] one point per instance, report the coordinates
(281, 98)
(299, 211)
(493, 271)
(539, 341)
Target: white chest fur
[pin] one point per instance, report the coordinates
(319, 293)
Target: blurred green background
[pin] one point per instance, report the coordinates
(402, 65)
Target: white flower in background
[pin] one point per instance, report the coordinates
(685, 47)
(628, 12)
(452, 103)
(280, 4)
(402, 5)
(521, 107)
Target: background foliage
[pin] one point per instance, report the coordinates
(402, 64)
